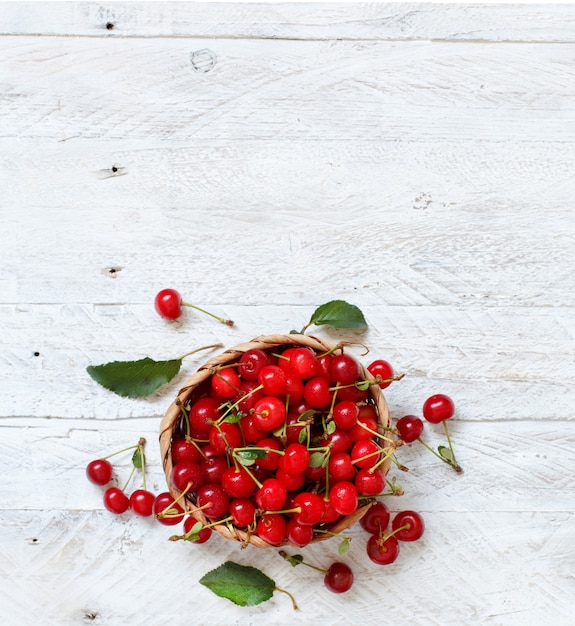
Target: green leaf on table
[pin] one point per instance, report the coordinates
(343, 547)
(339, 314)
(134, 379)
(293, 559)
(242, 584)
(139, 458)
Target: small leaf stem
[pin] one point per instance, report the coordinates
(454, 462)
(294, 603)
(289, 558)
(455, 466)
(213, 345)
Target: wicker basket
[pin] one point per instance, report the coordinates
(172, 426)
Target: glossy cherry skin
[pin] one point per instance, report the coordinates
(383, 370)
(438, 408)
(339, 577)
(142, 502)
(168, 304)
(116, 501)
(165, 503)
(381, 550)
(99, 472)
(414, 523)
(376, 519)
(409, 428)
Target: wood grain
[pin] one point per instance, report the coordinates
(415, 159)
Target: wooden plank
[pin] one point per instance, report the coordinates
(285, 20)
(92, 566)
(286, 90)
(485, 359)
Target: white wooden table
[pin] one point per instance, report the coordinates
(416, 160)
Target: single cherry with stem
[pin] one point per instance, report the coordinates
(439, 408)
(168, 304)
(338, 577)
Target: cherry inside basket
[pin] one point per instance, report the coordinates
(277, 441)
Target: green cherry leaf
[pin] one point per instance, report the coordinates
(339, 314)
(134, 379)
(139, 458)
(330, 427)
(445, 453)
(242, 584)
(302, 437)
(343, 547)
(294, 559)
(233, 418)
(249, 457)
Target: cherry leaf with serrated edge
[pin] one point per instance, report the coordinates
(330, 427)
(339, 314)
(243, 585)
(134, 379)
(317, 459)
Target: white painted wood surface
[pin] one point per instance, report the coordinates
(415, 159)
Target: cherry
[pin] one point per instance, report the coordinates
(203, 413)
(273, 380)
(382, 371)
(407, 526)
(382, 550)
(250, 431)
(376, 519)
(204, 534)
(295, 459)
(343, 497)
(292, 482)
(316, 392)
(344, 369)
(271, 460)
(409, 428)
(339, 440)
(116, 501)
(186, 476)
(250, 393)
(339, 577)
(364, 428)
(365, 453)
(438, 408)
(213, 500)
(166, 511)
(168, 304)
(225, 436)
(272, 528)
(294, 388)
(340, 466)
(99, 472)
(271, 496)
(345, 414)
(270, 413)
(226, 383)
(312, 508)
(142, 502)
(370, 483)
(213, 469)
(243, 512)
(299, 534)
(238, 483)
(183, 450)
(302, 362)
(252, 361)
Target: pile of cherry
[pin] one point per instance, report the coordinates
(283, 445)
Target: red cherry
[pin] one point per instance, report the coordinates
(225, 436)
(345, 414)
(340, 466)
(271, 496)
(343, 498)
(186, 476)
(409, 428)
(295, 459)
(183, 450)
(316, 392)
(381, 550)
(203, 413)
(168, 304)
(116, 501)
(142, 502)
(299, 534)
(213, 468)
(272, 527)
(226, 383)
(204, 534)
(376, 519)
(252, 361)
(238, 483)
(164, 503)
(438, 408)
(292, 482)
(365, 453)
(243, 512)
(270, 413)
(407, 526)
(99, 472)
(344, 369)
(312, 508)
(302, 363)
(339, 578)
(213, 500)
(271, 460)
(370, 483)
(381, 370)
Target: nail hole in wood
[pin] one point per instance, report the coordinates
(109, 26)
(36, 354)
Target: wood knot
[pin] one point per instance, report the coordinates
(203, 60)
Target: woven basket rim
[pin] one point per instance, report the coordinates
(231, 355)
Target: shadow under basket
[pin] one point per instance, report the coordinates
(173, 427)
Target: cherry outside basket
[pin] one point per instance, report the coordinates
(173, 426)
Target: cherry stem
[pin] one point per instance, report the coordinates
(295, 606)
(454, 463)
(214, 345)
(375, 433)
(217, 317)
(120, 451)
(235, 405)
(295, 561)
(328, 532)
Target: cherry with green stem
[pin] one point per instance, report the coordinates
(338, 577)
(168, 304)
